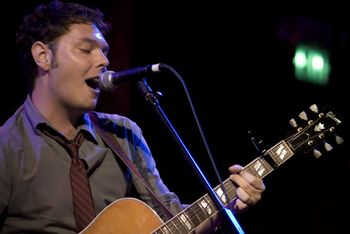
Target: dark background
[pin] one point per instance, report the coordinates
(237, 64)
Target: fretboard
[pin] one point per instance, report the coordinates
(200, 211)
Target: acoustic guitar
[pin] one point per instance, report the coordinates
(132, 216)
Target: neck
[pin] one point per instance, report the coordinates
(60, 117)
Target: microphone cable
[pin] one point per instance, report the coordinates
(178, 76)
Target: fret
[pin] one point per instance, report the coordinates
(205, 205)
(186, 220)
(268, 167)
(170, 225)
(162, 230)
(190, 218)
(211, 204)
(259, 167)
(200, 212)
(230, 189)
(221, 195)
(250, 169)
(273, 157)
(179, 224)
(192, 214)
(280, 153)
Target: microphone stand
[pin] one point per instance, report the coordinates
(231, 224)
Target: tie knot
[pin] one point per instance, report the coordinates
(71, 146)
(78, 140)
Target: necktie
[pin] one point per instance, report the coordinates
(84, 211)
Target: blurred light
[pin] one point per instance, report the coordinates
(300, 59)
(317, 62)
(311, 64)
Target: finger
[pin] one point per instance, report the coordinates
(235, 169)
(244, 196)
(239, 205)
(244, 185)
(253, 180)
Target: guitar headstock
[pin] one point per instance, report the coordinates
(315, 129)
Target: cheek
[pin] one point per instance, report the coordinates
(73, 70)
(72, 58)
(78, 65)
(73, 66)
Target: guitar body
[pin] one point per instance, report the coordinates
(125, 216)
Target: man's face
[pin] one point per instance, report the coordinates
(80, 55)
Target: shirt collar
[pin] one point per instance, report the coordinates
(37, 119)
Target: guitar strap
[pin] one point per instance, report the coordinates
(110, 140)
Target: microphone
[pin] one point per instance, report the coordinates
(109, 80)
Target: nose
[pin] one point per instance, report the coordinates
(102, 59)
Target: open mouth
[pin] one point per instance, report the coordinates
(93, 83)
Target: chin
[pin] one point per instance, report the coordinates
(92, 103)
(87, 108)
(91, 107)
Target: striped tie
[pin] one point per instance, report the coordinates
(84, 211)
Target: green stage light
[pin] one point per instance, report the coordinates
(311, 64)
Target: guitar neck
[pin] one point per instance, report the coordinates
(200, 211)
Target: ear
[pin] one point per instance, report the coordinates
(42, 55)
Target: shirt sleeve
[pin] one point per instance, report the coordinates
(146, 165)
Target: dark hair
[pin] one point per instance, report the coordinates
(46, 24)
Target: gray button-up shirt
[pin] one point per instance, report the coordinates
(35, 191)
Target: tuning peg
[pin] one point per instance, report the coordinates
(303, 115)
(293, 123)
(327, 146)
(317, 153)
(339, 140)
(314, 108)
